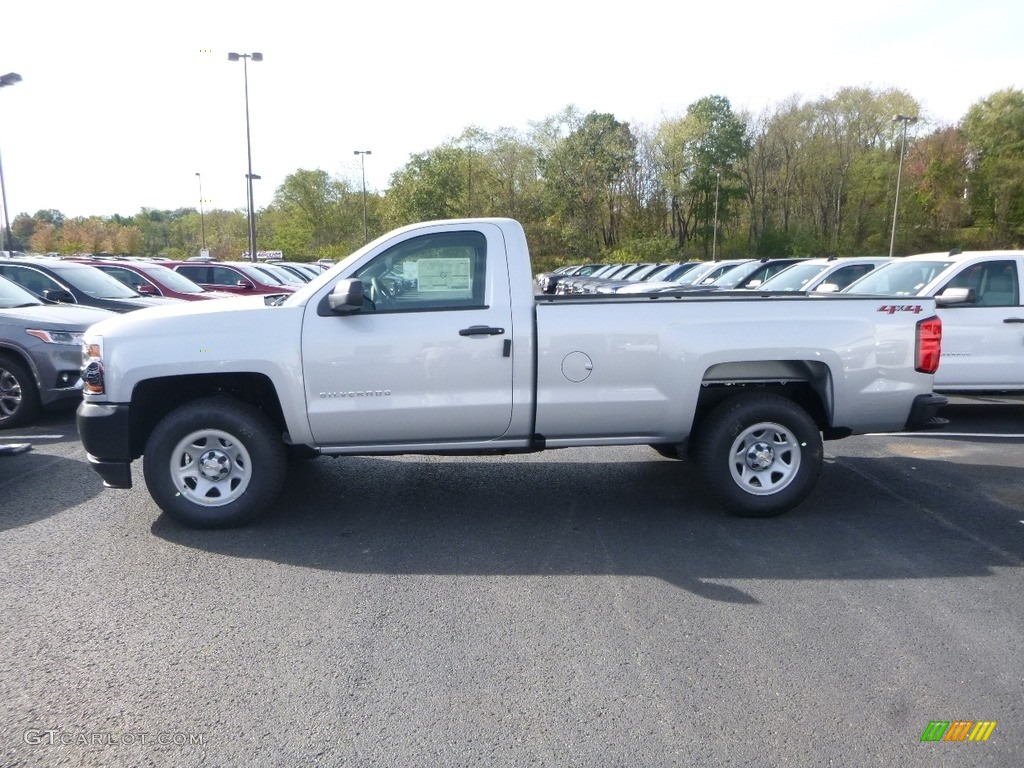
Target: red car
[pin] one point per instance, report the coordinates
(236, 277)
(153, 279)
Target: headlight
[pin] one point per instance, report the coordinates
(55, 337)
(92, 367)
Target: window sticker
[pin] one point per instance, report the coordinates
(443, 275)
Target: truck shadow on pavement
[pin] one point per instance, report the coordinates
(54, 483)
(494, 516)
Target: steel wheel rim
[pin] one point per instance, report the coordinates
(765, 458)
(10, 393)
(210, 467)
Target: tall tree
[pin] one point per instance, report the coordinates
(994, 128)
(584, 174)
(432, 185)
(314, 214)
(698, 155)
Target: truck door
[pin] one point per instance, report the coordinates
(427, 359)
(983, 341)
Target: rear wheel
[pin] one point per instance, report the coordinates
(761, 455)
(19, 398)
(214, 463)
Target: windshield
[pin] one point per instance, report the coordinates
(733, 277)
(793, 279)
(661, 273)
(283, 275)
(718, 269)
(173, 280)
(900, 278)
(13, 295)
(94, 282)
(258, 275)
(693, 275)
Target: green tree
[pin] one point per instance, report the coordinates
(432, 185)
(585, 175)
(994, 128)
(698, 154)
(313, 214)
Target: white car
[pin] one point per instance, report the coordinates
(979, 302)
(823, 275)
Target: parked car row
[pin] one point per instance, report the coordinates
(978, 296)
(727, 274)
(122, 284)
(47, 302)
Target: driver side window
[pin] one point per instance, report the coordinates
(432, 272)
(994, 283)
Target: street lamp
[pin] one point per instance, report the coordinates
(906, 120)
(362, 162)
(202, 214)
(248, 143)
(9, 79)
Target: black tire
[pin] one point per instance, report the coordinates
(243, 463)
(760, 455)
(19, 397)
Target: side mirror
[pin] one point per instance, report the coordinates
(245, 284)
(145, 289)
(346, 297)
(827, 288)
(955, 296)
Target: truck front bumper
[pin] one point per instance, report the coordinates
(105, 435)
(924, 413)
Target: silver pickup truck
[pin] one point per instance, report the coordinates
(430, 340)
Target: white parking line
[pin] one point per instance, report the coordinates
(32, 437)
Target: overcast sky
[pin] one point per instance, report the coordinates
(122, 102)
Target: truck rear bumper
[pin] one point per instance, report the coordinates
(104, 432)
(924, 413)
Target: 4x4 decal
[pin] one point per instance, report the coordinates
(892, 309)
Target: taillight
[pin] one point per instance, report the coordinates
(929, 345)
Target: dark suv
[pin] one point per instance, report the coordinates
(238, 277)
(40, 353)
(69, 282)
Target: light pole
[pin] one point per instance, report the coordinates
(362, 162)
(248, 143)
(202, 214)
(906, 120)
(9, 79)
(714, 236)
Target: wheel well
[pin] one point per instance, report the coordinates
(806, 383)
(15, 354)
(153, 399)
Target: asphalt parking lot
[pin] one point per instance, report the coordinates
(586, 607)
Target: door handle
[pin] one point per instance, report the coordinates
(1014, 320)
(481, 330)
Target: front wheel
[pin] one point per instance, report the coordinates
(19, 398)
(214, 463)
(760, 454)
